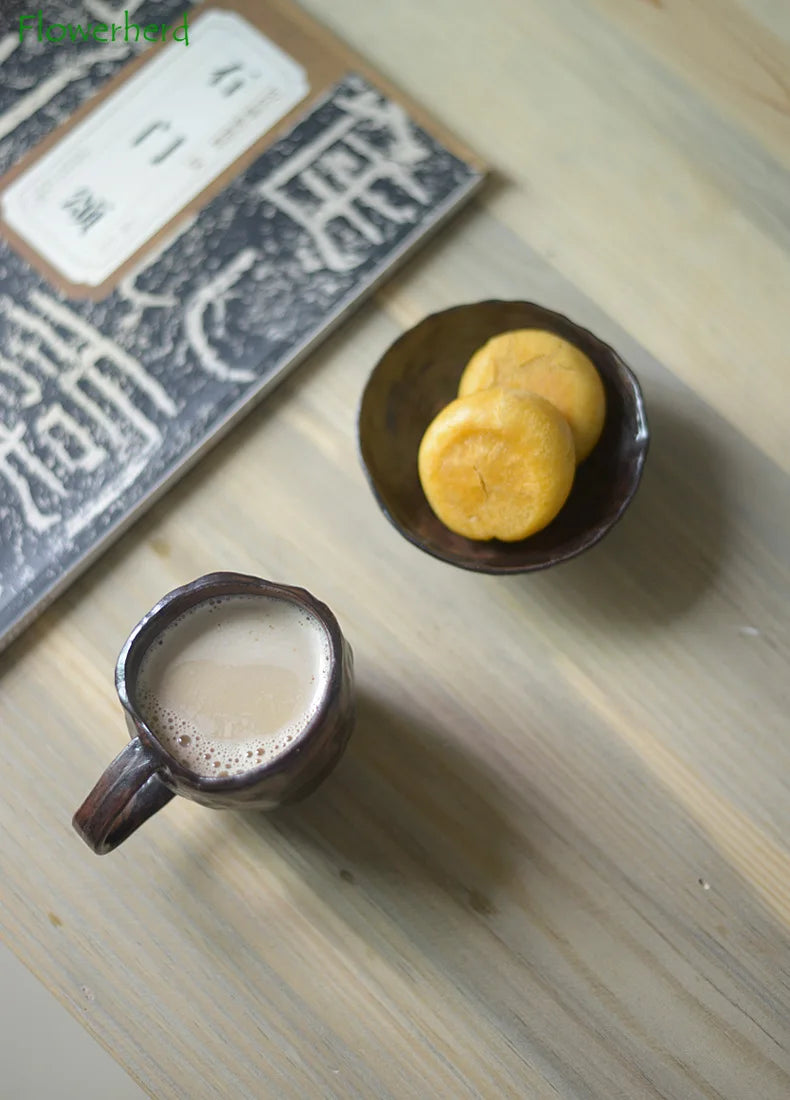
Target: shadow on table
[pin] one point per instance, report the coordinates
(406, 815)
(667, 550)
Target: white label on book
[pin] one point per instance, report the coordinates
(152, 146)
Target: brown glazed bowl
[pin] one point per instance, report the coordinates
(419, 374)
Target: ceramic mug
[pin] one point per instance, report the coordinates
(145, 776)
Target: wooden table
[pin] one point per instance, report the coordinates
(555, 861)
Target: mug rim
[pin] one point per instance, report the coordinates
(186, 596)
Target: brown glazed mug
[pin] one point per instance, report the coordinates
(145, 776)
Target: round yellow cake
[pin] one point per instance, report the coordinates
(542, 363)
(497, 464)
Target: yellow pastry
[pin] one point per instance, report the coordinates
(497, 464)
(540, 362)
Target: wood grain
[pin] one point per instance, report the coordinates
(555, 861)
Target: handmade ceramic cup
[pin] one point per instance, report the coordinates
(146, 775)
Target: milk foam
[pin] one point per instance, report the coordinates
(232, 683)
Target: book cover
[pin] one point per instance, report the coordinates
(180, 222)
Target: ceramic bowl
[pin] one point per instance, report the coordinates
(419, 374)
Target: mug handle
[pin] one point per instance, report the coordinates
(127, 794)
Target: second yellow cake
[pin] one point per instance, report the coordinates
(497, 464)
(543, 363)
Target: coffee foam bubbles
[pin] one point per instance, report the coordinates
(234, 682)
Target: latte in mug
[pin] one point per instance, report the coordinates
(232, 683)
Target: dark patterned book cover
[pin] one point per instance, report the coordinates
(105, 397)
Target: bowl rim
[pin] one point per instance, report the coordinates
(594, 536)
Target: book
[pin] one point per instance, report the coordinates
(180, 223)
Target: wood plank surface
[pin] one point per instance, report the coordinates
(555, 860)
